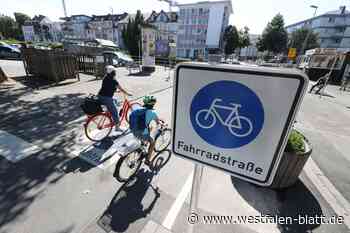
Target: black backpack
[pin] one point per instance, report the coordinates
(91, 105)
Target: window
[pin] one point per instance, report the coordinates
(337, 41)
(200, 11)
(331, 20)
(199, 30)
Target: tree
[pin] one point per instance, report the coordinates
(274, 37)
(244, 37)
(231, 39)
(297, 39)
(21, 18)
(132, 34)
(8, 27)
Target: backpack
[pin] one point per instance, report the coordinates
(137, 120)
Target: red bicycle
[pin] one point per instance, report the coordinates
(99, 126)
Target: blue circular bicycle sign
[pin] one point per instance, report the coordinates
(227, 114)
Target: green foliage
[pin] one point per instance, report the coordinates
(274, 37)
(235, 39)
(298, 37)
(21, 18)
(8, 27)
(231, 39)
(132, 34)
(244, 40)
(12, 28)
(295, 143)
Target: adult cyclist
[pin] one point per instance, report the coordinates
(149, 130)
(109, 86)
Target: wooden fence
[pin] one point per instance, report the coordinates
(50, 64)
(86, 64)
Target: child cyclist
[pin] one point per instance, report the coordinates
(142, 124)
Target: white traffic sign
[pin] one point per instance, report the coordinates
(235, 118)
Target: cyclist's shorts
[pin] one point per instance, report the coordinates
(150, 137)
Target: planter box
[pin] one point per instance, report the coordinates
(290, 168)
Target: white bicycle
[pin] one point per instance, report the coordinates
(206, 118)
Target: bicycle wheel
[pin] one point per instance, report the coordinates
(162, 140)
(127, 166)
(205, 119)
(98, 127)
(246, 126)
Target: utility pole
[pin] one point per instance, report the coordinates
(64, 8)
(113, 38)
(309, 32)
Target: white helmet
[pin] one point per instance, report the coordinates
(110, 69)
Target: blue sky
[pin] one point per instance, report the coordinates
(253, 13)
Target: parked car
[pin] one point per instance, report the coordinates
(118, 58)
(7, 51)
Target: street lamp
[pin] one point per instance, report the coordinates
(309, 32)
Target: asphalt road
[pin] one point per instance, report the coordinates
(54, 191)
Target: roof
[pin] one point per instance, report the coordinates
(132, 16)
(115, 17)
(35, 20)
(38, 18)
(171, 16)
(107, 43)
(74, 16)
(229, 2)
(340, 12)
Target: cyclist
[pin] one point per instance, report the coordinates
(148, 131)
(109, 86)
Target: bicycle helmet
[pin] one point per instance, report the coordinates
(149, 101)
(109, 69)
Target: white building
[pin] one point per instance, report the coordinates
(166, 34)
(201, 27)
(333, 28)
(105, 27)
(75, 26)
(41, 28)
(250, 52)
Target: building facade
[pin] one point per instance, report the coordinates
(75, 26)
(250, 52)
(42, 29)
(201, 27)
(166, 33)
(105, 27)
(333, 28)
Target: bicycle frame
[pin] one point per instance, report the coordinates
(234, 111)
(124, 110)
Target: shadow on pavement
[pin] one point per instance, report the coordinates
(292, 202)
(141, 74)
(41, 119)
(22, 182)
(41, 83)
(133, 201)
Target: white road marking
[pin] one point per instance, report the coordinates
(14, 148)
(335, 199)
(176, 207)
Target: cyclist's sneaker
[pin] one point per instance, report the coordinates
(148, 163)
(118, 129)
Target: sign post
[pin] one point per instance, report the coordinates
(196, 185)
(235, 118)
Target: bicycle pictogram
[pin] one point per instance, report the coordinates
(239, 126)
